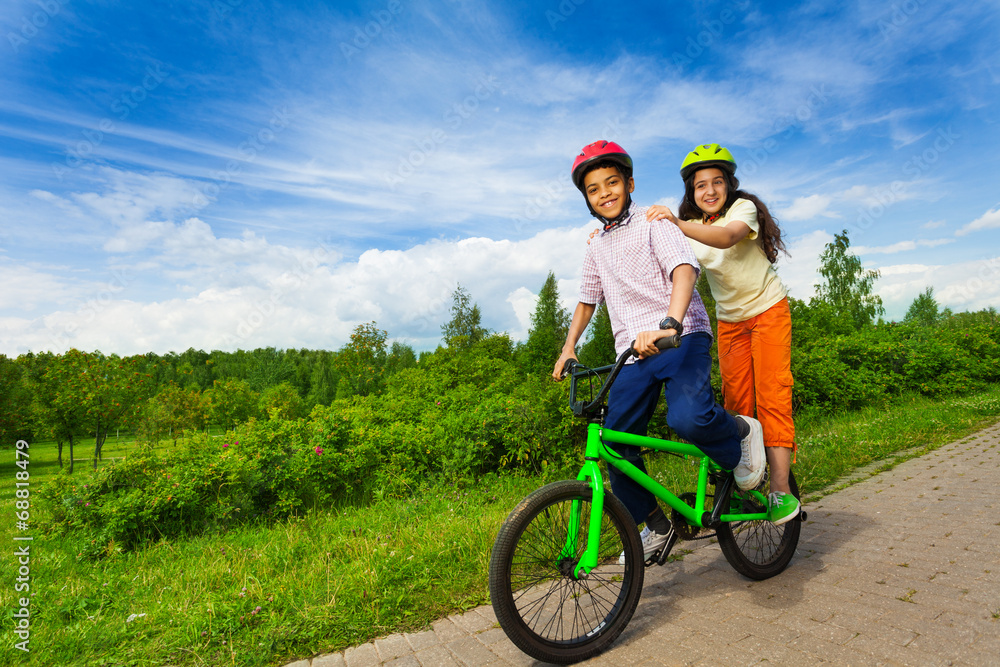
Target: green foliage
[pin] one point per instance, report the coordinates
(924, 310)
(848, 288)
(361, 363)
(464, 329)
(231, 402)
(461, 415)
(549, 324)
(172, 412)
(15, 403)
(871, 365)
(281, 401)
(599, 348)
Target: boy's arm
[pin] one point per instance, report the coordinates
(683, 278)
(581, 318)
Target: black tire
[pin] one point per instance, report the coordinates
(546, 613)
(758, 549)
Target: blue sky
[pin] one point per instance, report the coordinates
(238, 174)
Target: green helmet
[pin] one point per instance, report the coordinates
(709, 155)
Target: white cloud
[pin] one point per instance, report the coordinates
(290, 297)
(800, 272)
(963, 286)
(988, 220)
(901, 246)
(808, 208)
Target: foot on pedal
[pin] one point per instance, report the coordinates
(654, 543)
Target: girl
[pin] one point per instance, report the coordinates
(736, 241)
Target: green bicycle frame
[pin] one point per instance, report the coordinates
(597, 449)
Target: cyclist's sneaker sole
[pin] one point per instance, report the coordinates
(782, 507)
(753, 462)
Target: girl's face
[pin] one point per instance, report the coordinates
(709, 190)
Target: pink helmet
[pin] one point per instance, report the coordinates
(598, 152)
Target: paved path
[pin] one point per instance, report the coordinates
(902, 568)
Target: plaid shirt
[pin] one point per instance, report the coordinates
(630, 268)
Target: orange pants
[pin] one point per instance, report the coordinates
(755, 358)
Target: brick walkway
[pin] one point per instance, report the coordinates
(902, 568)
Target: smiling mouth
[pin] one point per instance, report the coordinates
(609, 204)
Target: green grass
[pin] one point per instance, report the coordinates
(341, 577)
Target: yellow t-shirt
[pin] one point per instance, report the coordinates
(743, 282)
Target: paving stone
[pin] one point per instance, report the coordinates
(436, 656)
(361, 656)
(329, 660)
(471, 652)
(447, 631)
(420, 640)
(405, 661)
(392, 647)
(471, 622)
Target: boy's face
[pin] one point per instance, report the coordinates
(606, 189)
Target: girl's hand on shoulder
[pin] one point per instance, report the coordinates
(593, 234)
(657, 212)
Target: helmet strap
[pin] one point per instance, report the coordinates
(617, 221)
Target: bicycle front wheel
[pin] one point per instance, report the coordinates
(758, 549)
(545, 611)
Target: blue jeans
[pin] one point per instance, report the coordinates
(684, 374)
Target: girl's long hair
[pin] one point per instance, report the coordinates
(769, 235)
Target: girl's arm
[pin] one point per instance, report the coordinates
(714, 237)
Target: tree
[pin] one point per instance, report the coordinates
(232, 402)
(401, 356)
(464, 329)
(281, 401)
(322, 380)
(15, 403)
(172, 411)
(361, 363)
(549, 324)
(83, 392)
(847, 286)
(266, 367)
(924, 309)
(62, 420)
(599, 349)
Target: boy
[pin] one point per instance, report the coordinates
(646, 273)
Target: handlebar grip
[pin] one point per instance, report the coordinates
(668, 342)
(665, 343)
(568, 367)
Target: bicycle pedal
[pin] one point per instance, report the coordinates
(661, 556)
(667, 548)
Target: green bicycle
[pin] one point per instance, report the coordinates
(567, 566)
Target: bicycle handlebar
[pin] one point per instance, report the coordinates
(581, 408)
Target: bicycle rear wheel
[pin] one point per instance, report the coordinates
(758, 549)
(545, 611)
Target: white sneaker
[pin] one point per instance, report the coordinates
(753, 462)
(653, 543)
(642, 536)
